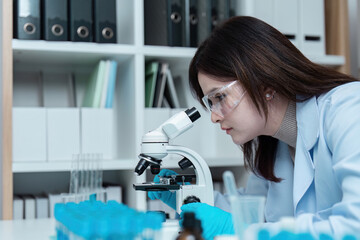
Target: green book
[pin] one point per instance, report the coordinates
(151, 73)
(94, 89)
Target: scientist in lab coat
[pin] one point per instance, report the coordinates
(297, 122)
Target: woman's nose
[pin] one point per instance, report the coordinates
(215, 117)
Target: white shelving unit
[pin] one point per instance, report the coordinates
(131, 118)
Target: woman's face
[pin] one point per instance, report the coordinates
(244, 122)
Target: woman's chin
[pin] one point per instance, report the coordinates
(239, 141)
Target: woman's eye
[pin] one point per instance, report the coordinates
(219, 97)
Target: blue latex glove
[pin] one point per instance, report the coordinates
(214, 221)
(169, 198)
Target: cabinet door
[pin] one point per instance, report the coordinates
(286, 19)
(312, 22)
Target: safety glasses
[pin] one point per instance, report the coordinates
(223, 100)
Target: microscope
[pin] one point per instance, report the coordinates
(155, 146)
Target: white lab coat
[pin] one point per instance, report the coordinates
(322, 188)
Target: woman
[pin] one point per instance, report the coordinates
(297, 122)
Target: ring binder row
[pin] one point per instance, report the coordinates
(66, 20)
(183, 23)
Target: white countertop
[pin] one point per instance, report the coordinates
(44, 229)
(40, 229)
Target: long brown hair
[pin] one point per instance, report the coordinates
(259, 56)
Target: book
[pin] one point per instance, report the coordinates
(165, 103)
(94, 89)
(170, 91)
(105, 84)
(111, 85)
(160, 85)
(99, 84)
(151, 73)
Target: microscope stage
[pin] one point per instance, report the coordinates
(155, 187)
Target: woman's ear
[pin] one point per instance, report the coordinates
(269, 93)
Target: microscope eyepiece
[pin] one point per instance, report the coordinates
(193, 114)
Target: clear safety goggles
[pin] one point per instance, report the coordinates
(223, 100)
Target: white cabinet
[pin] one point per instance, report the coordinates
(117, 131)
(29, 135)
(63, 133)
(301, 21)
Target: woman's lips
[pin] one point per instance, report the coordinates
(227, 130)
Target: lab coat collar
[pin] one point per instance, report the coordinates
(307, 117)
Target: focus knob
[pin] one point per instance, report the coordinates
(191, 199)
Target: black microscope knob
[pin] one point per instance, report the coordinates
(191, 199)
(155, 169)
(184, 163)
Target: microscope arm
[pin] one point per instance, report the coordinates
(203, 189)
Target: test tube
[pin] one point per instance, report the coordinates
(74, 177)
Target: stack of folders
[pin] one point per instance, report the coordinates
(101, 85)
(42, 206)
(72, 20)
(160, 89)
(30, 207)
(183, 23)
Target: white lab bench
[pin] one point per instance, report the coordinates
(44, 229)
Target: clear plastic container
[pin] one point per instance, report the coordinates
(246, 210)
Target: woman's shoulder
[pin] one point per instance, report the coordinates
(341, 93)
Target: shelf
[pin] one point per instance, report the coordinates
(170, 52)
(68, 53)
(123, 164)
(47, 52)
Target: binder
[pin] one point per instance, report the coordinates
(232, 8)
(160, 85)
(27, 19)
(205, 21)
(220, 11)
(42, 207)
(193, 20)
(164, 22)
(53, 199)
(105, 21)
(81, 20)
(29, 206)
(54, 15)
(18, 208)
